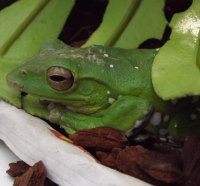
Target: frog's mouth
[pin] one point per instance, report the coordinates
(49, 104)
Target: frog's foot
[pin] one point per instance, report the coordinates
(33, 106)
(67, 129)
(56, 117)
(140, 124)
(71, 121)
(121, 114)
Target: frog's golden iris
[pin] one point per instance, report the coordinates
(60, 78)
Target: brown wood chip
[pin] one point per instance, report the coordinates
(17, 169)
(149, 166)
(191, 160)
(108, 159)
(35, 175)
(126, 162)
(100, 138)
(161, 167)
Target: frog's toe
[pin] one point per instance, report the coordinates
(68, 129)
(55, 116)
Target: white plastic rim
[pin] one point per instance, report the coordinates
(67, 165)
(6, 157)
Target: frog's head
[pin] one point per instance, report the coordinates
(63, 76)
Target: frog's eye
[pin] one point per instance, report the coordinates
(60, 78)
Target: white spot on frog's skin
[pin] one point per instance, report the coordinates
(111, 66)
(156, 118)
(138, 123)
(166, 118)
(94, 59)
(129, 132)
(108, 92)
(76, 56)
(91, 57)
(101, 51)
(111, 100)
(69, 55)
(147, 111)
(193, 116)
(136, 67)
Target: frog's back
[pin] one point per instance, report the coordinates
(127, 71)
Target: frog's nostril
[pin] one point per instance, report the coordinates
(23, 72)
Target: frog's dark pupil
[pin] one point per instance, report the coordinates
(57, 78)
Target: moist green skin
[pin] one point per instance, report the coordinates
(112, 86)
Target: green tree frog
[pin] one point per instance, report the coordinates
(88, 87)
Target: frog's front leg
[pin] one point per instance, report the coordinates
(34, 106)
(121, 114)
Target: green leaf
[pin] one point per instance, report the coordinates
(46, 24)
(124, 24)
(175, 71)
(15, 19)
(117, 16)
(148, 22)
